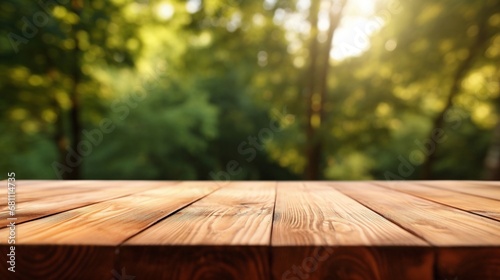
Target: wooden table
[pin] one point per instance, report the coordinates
(253, 230)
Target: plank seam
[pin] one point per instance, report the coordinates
(433, 201)
(389, 219)
(165, 217)
(70, 209)
(118, 259)
(457, 191)
(432, 248)
(270, 248)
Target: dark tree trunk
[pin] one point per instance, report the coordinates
(318, 84)
(59, 137)
(312, 164)
(459, 75)
(492, 160)
(74, 112)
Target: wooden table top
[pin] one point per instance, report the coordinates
(252, 230)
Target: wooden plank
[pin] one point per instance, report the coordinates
(475, 204)
(438, 224)
(32, 182)
(225, 235)
(321, 230)
(59, 262)
(25, 186)
(478, 188)
(239, 214)
(48, 188)
(442, 226)
(352, 262)
(320, 233)
(492, 183)
(93, 232)
(317, 214)
(196, 262)
(112, 220)
(54, 200)
(468, 263)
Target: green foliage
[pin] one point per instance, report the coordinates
(186, 89)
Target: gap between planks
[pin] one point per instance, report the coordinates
(490, 208)
(490, 190)
(164, 217)
(439, 224)
(93, 193)
(274, 211)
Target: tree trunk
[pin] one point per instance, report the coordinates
(318, 86)
(459, 75)
(59, 137)
(311, 168)
(74, 112)
(492, 160)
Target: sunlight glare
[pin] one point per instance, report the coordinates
(165, 11)
(352, 37)
(193, 6)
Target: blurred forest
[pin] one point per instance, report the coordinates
(250, 89)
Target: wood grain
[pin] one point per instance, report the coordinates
(59, 242)
(352, 262)
(254, 230)
(44, 189)
(52, 199)
(197, 262)
(317, 214)
(475, 204)
(239, 214)
(113, 220)
(478, 188)
(320, 233)
(438, 224)
(32, 191)
(442, 226)
(468, 263)
(225, 235)
(59, 262)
